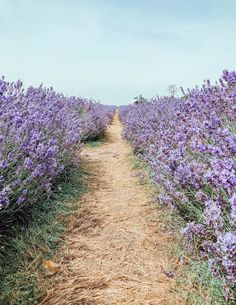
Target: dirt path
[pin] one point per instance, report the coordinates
(115, 253)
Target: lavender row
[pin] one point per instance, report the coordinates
(190, 145)
(41, 133)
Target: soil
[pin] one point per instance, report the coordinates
(116, 252)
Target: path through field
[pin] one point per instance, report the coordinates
(115, 253)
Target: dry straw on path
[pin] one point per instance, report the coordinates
(114, 253)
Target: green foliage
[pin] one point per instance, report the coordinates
(97, 142)
(139, 99)
(205, 289)
(25, 247)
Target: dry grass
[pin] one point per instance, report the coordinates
(115, 253)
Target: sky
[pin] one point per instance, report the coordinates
(114, 50)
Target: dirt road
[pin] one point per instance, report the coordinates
(115, 253)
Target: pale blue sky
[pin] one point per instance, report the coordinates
(112, 50)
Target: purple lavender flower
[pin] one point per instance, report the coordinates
(41, 132)
(190, 146)
(232, 201)
(213, 215)
(194, 230)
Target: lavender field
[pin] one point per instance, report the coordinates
(41, 134)
(117, 152)
(190, 145)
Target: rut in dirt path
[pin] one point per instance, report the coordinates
(115, 254)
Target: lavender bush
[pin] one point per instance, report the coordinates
(190, 145)
(41, 132)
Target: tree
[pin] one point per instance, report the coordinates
(172, 90)
(139, 99)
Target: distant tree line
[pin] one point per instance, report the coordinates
(172, 90)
